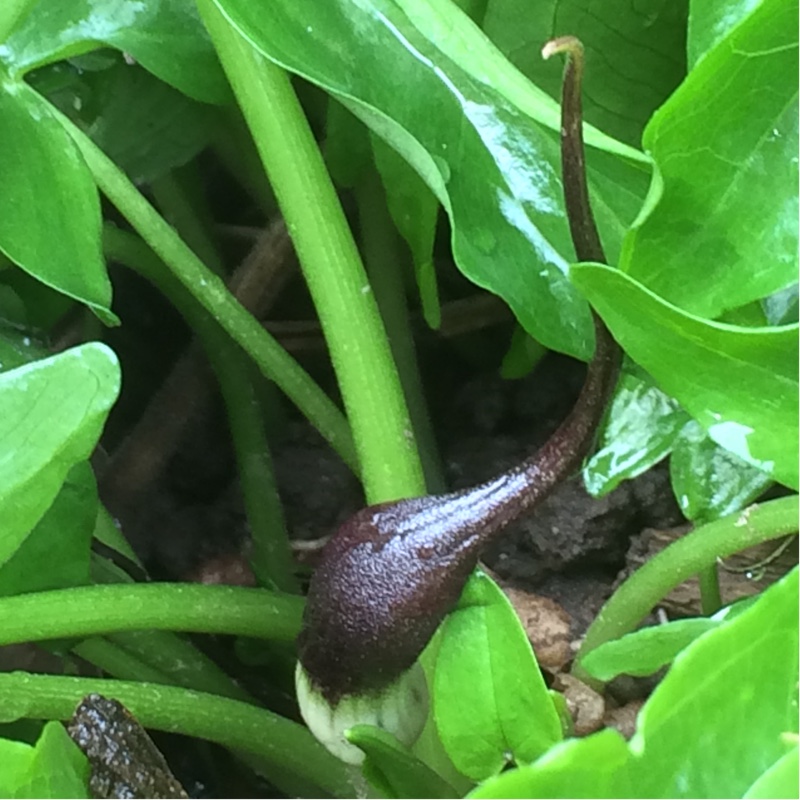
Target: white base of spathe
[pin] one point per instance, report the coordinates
(401, 709)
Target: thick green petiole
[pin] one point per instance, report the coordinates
(91, 610)
(294, 761)
(686, 557)
(331, 264)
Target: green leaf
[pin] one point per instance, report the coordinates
(522, 356)
(639, 430)
(645, 651)
(710, 482)
(18, 348)
(724, 231)
(415, 210)
(392, 769)
(716, 721)
(634, 58)
(144, 125)
(489, 700)
(779, 781)
(53, 768)
(165, 36)
(348, 153)
(590, 767)
(43, 305)
(49, 208)
(15, 758)
(709, 23)
(55, 554)
(781, 308)
(740, 384)
(51, 415)
(479, 134)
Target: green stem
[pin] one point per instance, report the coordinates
(710, 596)
(335, 276)
(91, 610)
(380, 246)
(167, 653)
(271, 558)
(213, 295)
(297, 763)
(117, 661)
(177, 659)
(687, 556)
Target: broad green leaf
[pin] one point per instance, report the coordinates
(145, 125)
(424, 78)
(710, 482)
(781, 308)
(56, 552)
(740, 384)
(489, 700)
(638, 431)
(18, 348)
(165, 36)
(590, 767)
(15, 758)
(645, 651)
(779, 781)
(392, 769)
(49, 207)
(709, 23)
(716, 721)
(51, 415)
(53, 768)
(634, 58)
(12, 309)
(724, 231)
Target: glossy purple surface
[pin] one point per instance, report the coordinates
(392, 571)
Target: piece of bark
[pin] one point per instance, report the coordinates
(547, 625)
(123, 759)
(623, 718)
(586, 707)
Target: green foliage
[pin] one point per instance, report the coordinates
(51, 415)
(641, 428)
(634, 57)
(489, 699)
(448, 105)
(53, 767)
(165, 36)
(50, 225)
(481, 137)
(55, 553)
(740, 384)
(713, 189)
(393, 769)
(710, 482)
(693, 737)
